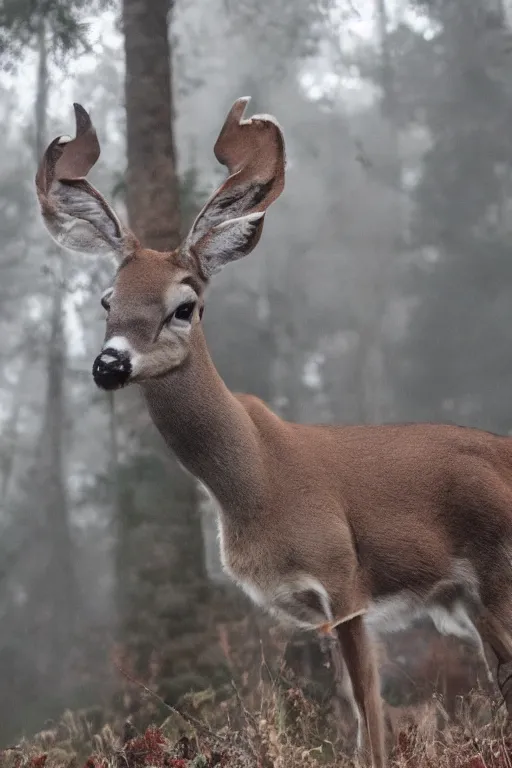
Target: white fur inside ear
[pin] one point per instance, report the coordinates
(64, 139)
(82, 221)
(229, 241)
(244, 222)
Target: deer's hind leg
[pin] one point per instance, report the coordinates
(494, 622)
(495, 627)
(343, 683)
(457, 620)
(455, 604)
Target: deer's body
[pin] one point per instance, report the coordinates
(348, 530)
(394, 519)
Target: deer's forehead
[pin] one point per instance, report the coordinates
(147, 276)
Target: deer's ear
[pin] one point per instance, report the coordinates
(228, 241)
(230, 224)
(76, 215)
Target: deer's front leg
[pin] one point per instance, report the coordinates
(359, 657)
(343, 685)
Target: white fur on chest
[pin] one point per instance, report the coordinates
(278, 595)
(254, 591)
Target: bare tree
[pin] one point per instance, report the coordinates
(153, 203)
(152, 186)
(49, 490)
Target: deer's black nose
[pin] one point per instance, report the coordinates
(111, 369)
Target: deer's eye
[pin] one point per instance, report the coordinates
(105, 299)
(185, 311)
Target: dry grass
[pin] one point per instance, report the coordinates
(286, 732)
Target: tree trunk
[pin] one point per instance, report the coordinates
(116, 501)
(41, 93)
(163, 586)
(62, 587)
(152, 191)
(50, 493)
(10, 439)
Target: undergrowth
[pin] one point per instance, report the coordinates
(284, 733)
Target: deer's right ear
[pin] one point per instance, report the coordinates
(74, 212)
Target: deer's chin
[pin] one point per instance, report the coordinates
(158, 364)
(145, 376)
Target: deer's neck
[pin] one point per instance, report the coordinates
(208, 429)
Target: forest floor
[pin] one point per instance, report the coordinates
(478, 737)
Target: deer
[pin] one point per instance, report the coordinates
(349, 531)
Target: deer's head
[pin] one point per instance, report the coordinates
(156, 300)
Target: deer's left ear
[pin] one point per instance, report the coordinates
(76, 215)
(231, 222)
(228, 241)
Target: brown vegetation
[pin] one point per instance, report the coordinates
(277, 711)
(287, 731)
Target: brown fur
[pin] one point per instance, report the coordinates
(368, 511)
(318, 522)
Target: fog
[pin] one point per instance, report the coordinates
(381, 291)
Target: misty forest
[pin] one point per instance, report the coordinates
(381, 291)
